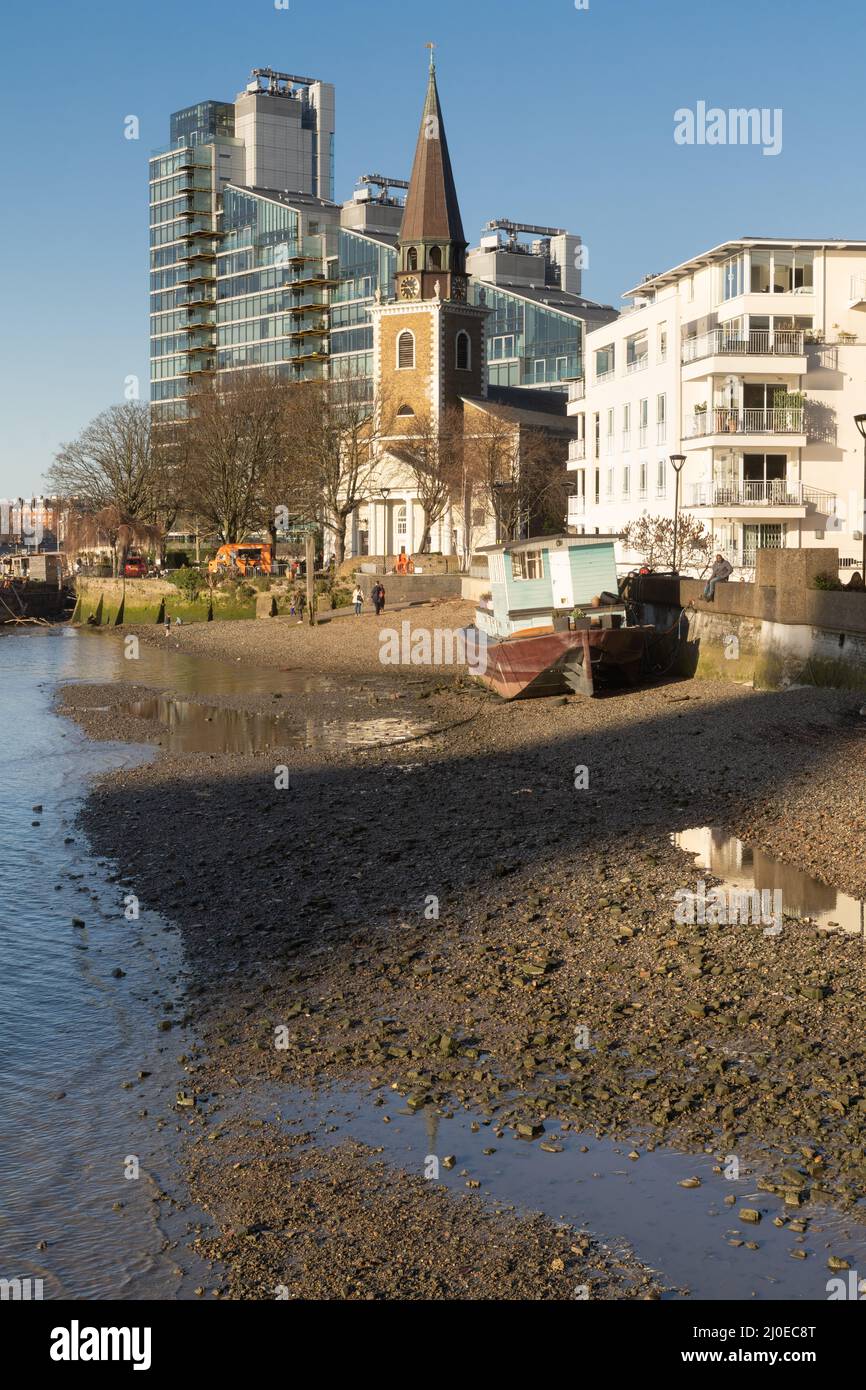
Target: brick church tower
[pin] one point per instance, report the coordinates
(429, 345)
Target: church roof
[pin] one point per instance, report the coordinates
(432, 211)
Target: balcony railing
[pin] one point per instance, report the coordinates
(606, 375)
(720, 420)
(775, 492)
(576, 508)
(637, 364)
(759, 342)
(577, 449)
(858, 288)
(576, 390)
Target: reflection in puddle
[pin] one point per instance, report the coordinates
(194, 728)
(745, 866)
(592, 1183)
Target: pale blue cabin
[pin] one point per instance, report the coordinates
(534, 582)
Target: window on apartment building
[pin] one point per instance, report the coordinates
(690, 288)
(527, 564)
(661, 478)
(626, 426)
(661, 418)
(462, 352)
(636, 349)
(662, 342)
(604, 361)
(733, 277)
(643, 421)
(540, 369)
(596, 433)
(792, 271)
(596, 491)
(610, 430)
(609, 488)
(626, 480)
(642, 477)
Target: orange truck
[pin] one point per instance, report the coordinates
(242, 558)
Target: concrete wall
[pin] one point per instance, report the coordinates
(777, 631)
(413, 588)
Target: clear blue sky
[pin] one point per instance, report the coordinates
(554, 115)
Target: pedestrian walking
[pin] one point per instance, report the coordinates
(357, 599)
(378, 597)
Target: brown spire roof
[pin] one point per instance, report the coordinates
(432, 211)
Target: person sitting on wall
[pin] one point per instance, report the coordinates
(403, 562)
(721, 571)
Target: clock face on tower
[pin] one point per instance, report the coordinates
(409, 287)
(458, 289)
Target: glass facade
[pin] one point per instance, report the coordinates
(199, 124)
(183, 242)
(528, 344)
(364, 266)
(272, 292)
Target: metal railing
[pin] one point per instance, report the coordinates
(576, 507)
(721, 420)
(778, 342)
(576, 449)
(773, 492)
(576, 390)
(637, 364)
(858, 287)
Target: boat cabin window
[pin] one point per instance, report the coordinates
(527, 564)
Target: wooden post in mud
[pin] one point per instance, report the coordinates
(310, 557)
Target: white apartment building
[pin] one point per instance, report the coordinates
(750, 360)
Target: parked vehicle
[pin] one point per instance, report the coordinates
(243, 558)
(135, 567)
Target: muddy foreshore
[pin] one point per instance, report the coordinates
(445, 917)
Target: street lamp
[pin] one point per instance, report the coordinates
(384, 493)
(860, 422)
(677, 463)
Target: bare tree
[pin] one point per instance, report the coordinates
(235, 437)
(330, 445)
(519, 473)
(432, 448)
(652, 538)
(111, 471)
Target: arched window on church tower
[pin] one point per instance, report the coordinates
(412, 259)
(406, 349)
(463, 354)
(435, 257)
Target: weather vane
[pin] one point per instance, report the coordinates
(431, 46)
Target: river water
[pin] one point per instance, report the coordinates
(75, 1118)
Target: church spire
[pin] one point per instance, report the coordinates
(432, 245)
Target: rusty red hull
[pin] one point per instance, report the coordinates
(560, 663)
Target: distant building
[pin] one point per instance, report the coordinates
(31, 523)
(253, 263)
(750, 360)
(277, 134)
(429, 357)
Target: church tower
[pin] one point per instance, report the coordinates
(429, 343)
